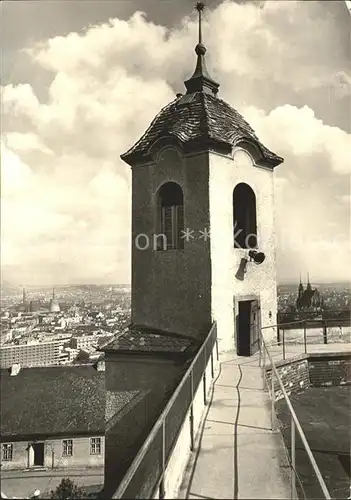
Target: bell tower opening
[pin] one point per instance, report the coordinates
(244, 217)
(170, 217)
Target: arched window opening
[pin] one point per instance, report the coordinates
(170, 216)
(244, 217)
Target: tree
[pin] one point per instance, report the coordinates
(67, 490)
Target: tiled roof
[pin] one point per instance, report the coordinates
(199, 118)
(53, 400)
(145, 340)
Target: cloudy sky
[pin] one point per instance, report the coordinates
(82, 80)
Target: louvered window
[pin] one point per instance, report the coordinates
(171, 217)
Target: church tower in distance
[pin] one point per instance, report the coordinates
(203, 238)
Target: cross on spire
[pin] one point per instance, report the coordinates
(201, 80)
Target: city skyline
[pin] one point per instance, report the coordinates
(69, 111)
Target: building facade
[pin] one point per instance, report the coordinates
(31, 354)
(70, 451)
(83, 341)
(52, 417)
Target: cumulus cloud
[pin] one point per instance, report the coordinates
(297, 132)
(66, 192)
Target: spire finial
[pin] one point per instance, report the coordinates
(200, 7)
(201, 80)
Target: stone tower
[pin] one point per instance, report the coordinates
(203, 239)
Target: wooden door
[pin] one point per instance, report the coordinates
(254, 327)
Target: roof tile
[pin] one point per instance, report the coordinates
(145, 340)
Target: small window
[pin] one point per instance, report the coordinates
(244, 217)
(170, 223)
(7, 452)
(95, 446)
(67, 448)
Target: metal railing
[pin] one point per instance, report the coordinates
(294, 422)
(342, 316)
(147, 470)
(308, 326)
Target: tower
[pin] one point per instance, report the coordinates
(24, 296)
(300, 294)
(203, 239)
(54, 305)
(309, 287)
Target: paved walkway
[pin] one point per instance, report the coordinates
(240, 457)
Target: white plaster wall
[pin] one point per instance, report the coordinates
(260, 280)
(179, 460)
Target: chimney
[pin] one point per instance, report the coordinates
(15, 369)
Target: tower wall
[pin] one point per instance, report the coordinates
(259, 280)
(171, 289)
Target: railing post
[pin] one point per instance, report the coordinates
(162, 493)
(305, 336)
(192, 412)
(272, 401)
(217, 353)
(283, 343)
(204, 376)
(212, 368)
(260, 352)
(293, 461)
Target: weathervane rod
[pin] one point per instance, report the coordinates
(200, 7)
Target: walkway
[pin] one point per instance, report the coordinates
(240, 457)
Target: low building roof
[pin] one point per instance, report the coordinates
(145, 340)
(63, 400)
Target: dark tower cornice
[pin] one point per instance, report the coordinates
(201, 80)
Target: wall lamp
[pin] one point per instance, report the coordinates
(253, 256)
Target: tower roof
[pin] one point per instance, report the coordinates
(200, 121)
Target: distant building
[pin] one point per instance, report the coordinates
(23, 306)
(71, 353)
(31, 354)
(34, 306)
(54, 305)
(83, 341)
(52, 417)
(308, 299)
(89, 354)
